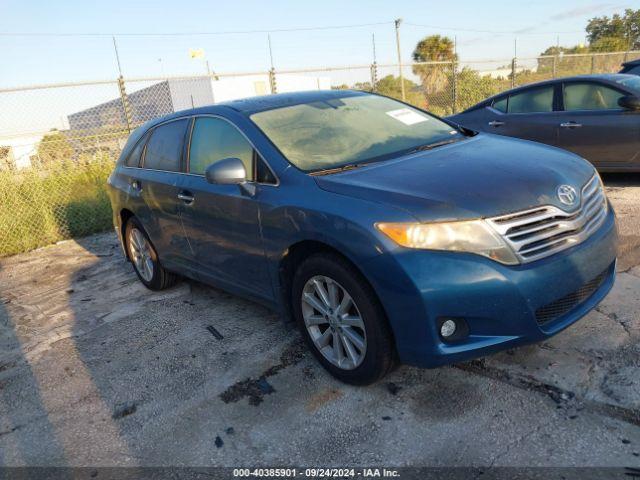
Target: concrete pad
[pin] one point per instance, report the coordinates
(97, 370)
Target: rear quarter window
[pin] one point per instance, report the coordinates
(500, 104)
(135, 157)
(164, 149)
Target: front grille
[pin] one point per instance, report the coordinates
(561, 306)
(539, 232)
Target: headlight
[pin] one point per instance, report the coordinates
(604, 193)
(474, 236)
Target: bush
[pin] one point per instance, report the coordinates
(43, 206)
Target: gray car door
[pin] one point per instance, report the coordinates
(223, 221)
(156, 187)
(595, 127)
(528, 114)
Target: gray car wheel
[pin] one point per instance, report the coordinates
(144, 257)
(342, 319)
(334, 322)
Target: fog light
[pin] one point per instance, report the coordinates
(448, 328)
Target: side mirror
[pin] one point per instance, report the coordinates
(229, 171)
(629, 102)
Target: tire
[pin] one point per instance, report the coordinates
(365, 351)
(149, 270)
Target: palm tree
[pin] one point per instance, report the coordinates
(434, 48)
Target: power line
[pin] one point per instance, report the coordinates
(277, 30)
(500, 32)
(184, 34)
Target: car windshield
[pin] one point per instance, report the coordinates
(630, 81)
(357, 129)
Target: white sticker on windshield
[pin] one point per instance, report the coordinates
(407, 116)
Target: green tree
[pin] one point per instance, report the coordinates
(619, 32)
(390, 86)
(435, 48)
(610, 44)
(364, 86)
(472, 88)
(565, 64)
(54, 148)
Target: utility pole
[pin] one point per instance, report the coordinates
(374, 65)
(270, 50)
(398, 22)
(454, 76)
(513, 62)
(373, 40)
(115, 48)
(272, 73)
(124, 99)
(556, 57)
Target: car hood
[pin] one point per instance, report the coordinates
(481, 176)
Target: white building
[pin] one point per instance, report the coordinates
(177, 94)
(16, 151)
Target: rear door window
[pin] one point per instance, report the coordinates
(133, 160)
(535, 100)
(214, 139)
(164, 149)
(590, 96)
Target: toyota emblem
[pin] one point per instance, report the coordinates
(567, 195)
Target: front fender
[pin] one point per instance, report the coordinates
(343, 223)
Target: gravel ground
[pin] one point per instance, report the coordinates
(96, 370)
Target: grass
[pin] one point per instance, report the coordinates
(42, 206)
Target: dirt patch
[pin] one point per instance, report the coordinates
(322, 398)
(628, 252)
(256, 388)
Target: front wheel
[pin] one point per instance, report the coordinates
(342, 320)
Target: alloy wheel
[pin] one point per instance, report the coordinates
(141, 254)
(334, 322)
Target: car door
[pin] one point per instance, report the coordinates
(528, 114)
(595, 127)
(155, 184)
(222, 221)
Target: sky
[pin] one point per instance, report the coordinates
(42, 59)
(52, 42)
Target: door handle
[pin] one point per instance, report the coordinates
(496, 123)
(186, 197)
(571, 125)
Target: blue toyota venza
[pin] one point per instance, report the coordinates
(388, 234)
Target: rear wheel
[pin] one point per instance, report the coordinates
(144, 258)
(342, 320)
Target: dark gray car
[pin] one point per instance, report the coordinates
(594, 116)
(632, 67)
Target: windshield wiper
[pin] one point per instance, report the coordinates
(343, 168)
(352, 166)
(429, 146)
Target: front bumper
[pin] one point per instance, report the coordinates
(498, 302)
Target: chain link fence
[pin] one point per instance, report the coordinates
(58, 143)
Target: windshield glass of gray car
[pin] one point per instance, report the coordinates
(355, 129)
